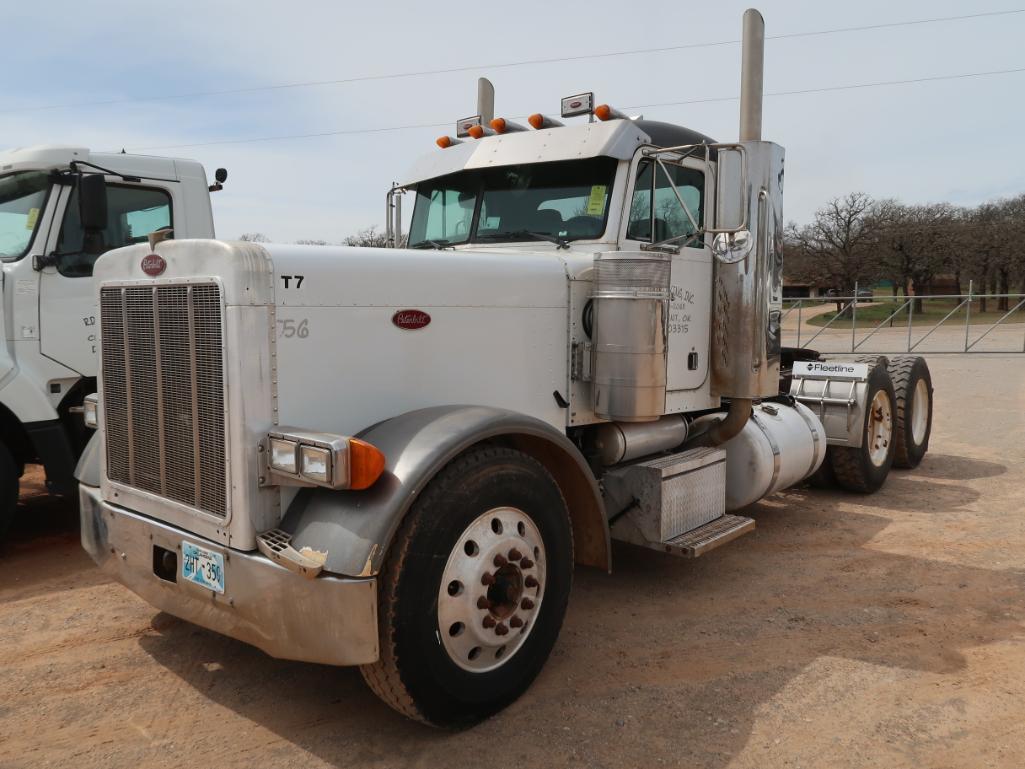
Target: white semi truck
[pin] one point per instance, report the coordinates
(392, 458)
(48, 323)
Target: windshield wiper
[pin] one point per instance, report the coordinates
(558, 240)
(438, 244)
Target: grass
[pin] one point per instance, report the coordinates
(869, 315)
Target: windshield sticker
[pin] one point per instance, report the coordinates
(596, 202)
(30, 220)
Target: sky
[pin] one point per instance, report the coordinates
(948, 140)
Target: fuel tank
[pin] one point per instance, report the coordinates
(779, 446)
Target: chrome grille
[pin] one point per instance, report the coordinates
(163, 391)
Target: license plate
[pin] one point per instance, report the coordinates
(203, 567)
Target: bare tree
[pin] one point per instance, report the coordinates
(311, 242)
(840, 246)
(916, 243)
(367, 238)
(254, 237)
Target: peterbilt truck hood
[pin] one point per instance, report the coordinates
(491, 327)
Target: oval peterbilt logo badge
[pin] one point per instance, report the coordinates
(410, 319)
(575, 104)
(153, 265)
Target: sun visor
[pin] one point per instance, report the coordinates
(616, 138)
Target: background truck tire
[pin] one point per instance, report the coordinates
(912, 385)
(864, 469)
(418, 673)
(9, 487)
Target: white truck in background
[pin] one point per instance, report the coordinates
(392, 458)
(60, 208)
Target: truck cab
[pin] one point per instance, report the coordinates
(48, 314)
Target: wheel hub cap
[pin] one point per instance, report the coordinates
(491, 589)
(919, 412)
(880, 428)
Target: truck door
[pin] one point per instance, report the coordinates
(67, 296)
(655, 215)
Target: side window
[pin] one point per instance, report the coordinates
(655, 209)
(132, 214)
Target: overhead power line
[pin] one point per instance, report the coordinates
(509, 64)
(450, 123)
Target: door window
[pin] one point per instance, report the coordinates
(655, 210)
(132, 214)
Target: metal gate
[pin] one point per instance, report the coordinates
(935, 324)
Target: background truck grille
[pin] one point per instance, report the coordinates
(163, 391)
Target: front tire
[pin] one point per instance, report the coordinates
(912, 384)
(9, 489)
(864, 469)
(474, 590)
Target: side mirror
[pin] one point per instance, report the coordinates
(732, 247)
(220, 176)
(92, 202)
(731, 190)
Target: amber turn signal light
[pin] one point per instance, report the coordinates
(366, 463)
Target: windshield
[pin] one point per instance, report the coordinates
(561, 201)
(22, 196)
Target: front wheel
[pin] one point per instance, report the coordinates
(9, 487)
(474, 589)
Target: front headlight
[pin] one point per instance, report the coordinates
(283, 455)
(91, 410)
(315, 463)
(323, 459)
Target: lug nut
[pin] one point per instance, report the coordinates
(515, 622)
(530, 582)
(489, 621)
(500, 560)
(526, 604)
(526, 563)
(501, 629)
(487, 578)
(515, 555)
(483, 603)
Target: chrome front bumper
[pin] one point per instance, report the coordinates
(332, 620)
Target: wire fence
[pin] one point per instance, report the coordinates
(936, 324)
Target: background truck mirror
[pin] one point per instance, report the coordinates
(92, 201)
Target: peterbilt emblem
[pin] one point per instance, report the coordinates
(410, 319)
(153, 265)
(576, 103)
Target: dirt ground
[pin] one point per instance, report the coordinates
(880, 631)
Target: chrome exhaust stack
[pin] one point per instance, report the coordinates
(748, 277)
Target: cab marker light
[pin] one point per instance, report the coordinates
(447, 141)
(479, 132)
(298, 457)
(539, 121)
(503, 126)
(605, 112)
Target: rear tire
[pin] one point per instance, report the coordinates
(465, 627)
(9, 488)
(912, 384)
(864, 469)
